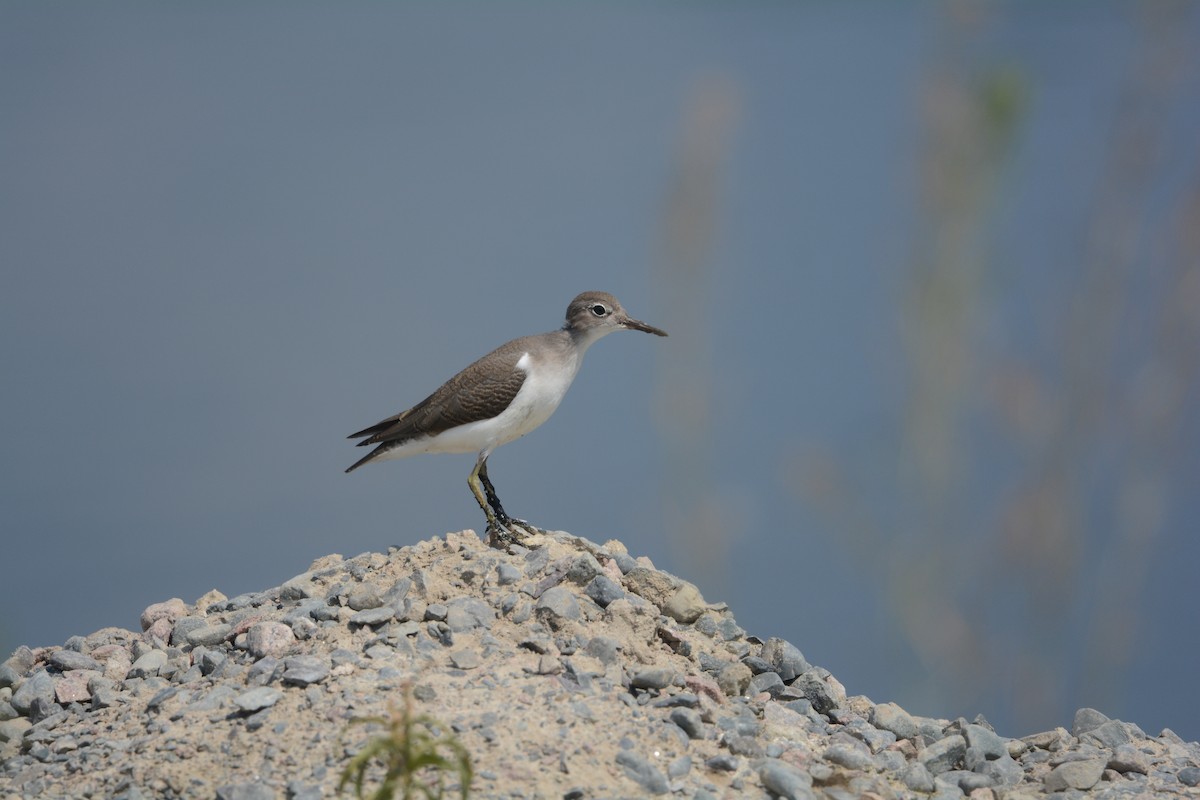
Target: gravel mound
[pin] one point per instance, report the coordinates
(567, 669)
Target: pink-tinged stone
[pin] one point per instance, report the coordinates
(269, 639)
(702, 684)
(117, 665)
(72, 687)
(246, 624)
(612, 570)
(170, 610)
(160, 629)
(106, 651)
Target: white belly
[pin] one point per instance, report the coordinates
(539, 396)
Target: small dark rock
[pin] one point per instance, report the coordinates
(373, 616)
(652, 679)
(638, 769)
(304, 670)
(1087, 719)
(604, 590)
(1075, 774)
(556, 606)
(722, 763)
(1189, 776)
(246, 791)
(767, 682)
(943, 755)
(784, 780)
(69, 659)
(785, 659)
(688, 721)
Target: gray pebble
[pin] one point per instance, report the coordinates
(211, 661)
(1109, 735)
(785, 659)
(246, 791)
(680, 767)
(38, 685)
(507, 574)
(264, 671)
(1075, 774)
(583, 569)
(722, 763)
(465, 659)
(891, 717)
(963, 779)
(556, 606)
(104, 697)
(659, 678)
(689, 722)
(148, 664)
(373, 617)
(816, 691)
(734, 678)
(257, 699)
(212, 700)
(303, 627)
(748, 745)
(209, 635)
(757, 665)
(603, 649)
(1086, 719)
(1127, 758)
(436, 612)
(890, 760)
(985, 740)
(9, 676)
(1189, 776)
(944, 754)
(303, 670)
(767, 682)
(398, 592)
(871, 736)
(69, 659)
(1003, 771)
(785, 780)
(297, 790)
(918, 778)
(604, 590)
(624, 561)
(685, 605)
(638, 769)
(162, 697)
(468, 613)
(13, 730)
(364, 598)
(850, 757)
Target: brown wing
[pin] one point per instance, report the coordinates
(465, 398)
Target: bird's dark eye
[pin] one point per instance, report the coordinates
(599, 310)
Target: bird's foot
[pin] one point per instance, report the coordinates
(520, 523)
(504, 530)
(501, 536)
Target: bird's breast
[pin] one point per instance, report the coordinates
(542, 391)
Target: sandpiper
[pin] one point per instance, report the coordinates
(499, 398)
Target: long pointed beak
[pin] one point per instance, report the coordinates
(638, 325)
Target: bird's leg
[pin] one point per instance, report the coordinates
(490, 491)
(477, 490)
(501, 520)
(498, 523)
